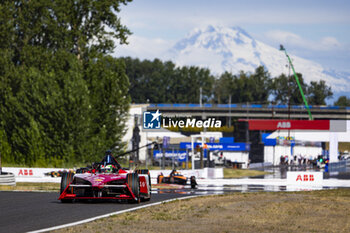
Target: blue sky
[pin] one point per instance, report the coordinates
(315, 30)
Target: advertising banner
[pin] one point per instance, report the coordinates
(179, 155)
(305, 178)
(218, 146)
(289, 124)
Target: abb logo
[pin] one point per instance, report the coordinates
(305, 177)
(284, 125)
(25, 172)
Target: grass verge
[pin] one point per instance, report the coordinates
(239, 173)
(314, 211)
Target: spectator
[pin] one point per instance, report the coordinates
(286, 159)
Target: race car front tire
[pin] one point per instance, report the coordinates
(66, 179)
(134, 183)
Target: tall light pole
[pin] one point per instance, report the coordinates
(297, 80)
(229, 117)
(289, 93)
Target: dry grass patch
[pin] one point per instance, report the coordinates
(238, 173)
(316, 211)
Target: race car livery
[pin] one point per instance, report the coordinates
(106, 180)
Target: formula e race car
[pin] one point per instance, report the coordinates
(176, 178)
(57, 173)
(106, 180)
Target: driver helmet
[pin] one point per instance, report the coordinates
(109, 169)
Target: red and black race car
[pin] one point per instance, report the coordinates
(106, 180)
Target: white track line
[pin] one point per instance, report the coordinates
(109, 215)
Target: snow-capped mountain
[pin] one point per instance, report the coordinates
(232, 49)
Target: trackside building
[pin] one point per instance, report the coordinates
(301, 137)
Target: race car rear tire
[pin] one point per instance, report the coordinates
(193, 182)
(66, 179)
(134, 183)
(142, 171)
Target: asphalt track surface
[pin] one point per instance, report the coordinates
(30, 211)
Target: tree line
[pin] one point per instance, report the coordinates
(63, 99)
(163, 82)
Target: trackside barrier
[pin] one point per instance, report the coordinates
(7, 179)
(312, 179)
(259, 165)
(30, 172)
(214, 173)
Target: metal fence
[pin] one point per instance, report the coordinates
(279, 106)
(340, 166)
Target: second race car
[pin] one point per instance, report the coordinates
(176, 177)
